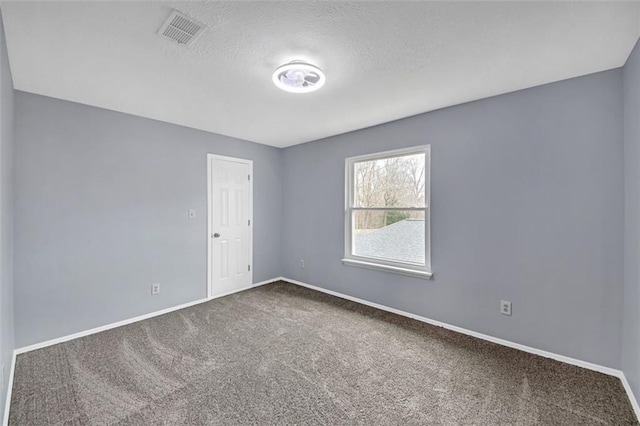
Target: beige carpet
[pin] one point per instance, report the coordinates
(282, 354)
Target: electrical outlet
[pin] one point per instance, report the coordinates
(505, 307)
(192, 213)
(302, 264)
(155, 288)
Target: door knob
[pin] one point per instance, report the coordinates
(216, 235)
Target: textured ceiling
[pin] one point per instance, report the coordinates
(383, 60)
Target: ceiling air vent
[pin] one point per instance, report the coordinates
(181, 29)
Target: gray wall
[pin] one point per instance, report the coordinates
(527, 206)
(631, 291)
(101, 210)
(6, 217)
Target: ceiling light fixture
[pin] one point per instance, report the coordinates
(298, 77)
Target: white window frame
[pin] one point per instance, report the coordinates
(378, 264)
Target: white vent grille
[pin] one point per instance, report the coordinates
(181, 29)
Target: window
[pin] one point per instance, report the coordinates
(387, 211)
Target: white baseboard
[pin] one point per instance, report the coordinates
(632, 398)
(7, 404)
(131, 320)
(584, 364)
(227, 293)
(73, 336)
(573, 361)
(503, 342)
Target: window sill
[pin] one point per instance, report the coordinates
(386, 268)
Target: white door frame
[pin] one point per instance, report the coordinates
(210, 158)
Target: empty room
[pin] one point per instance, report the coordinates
(319, 212)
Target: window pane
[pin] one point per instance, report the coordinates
(393, 235)
(390, 182)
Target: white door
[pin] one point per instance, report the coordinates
(230, 227)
